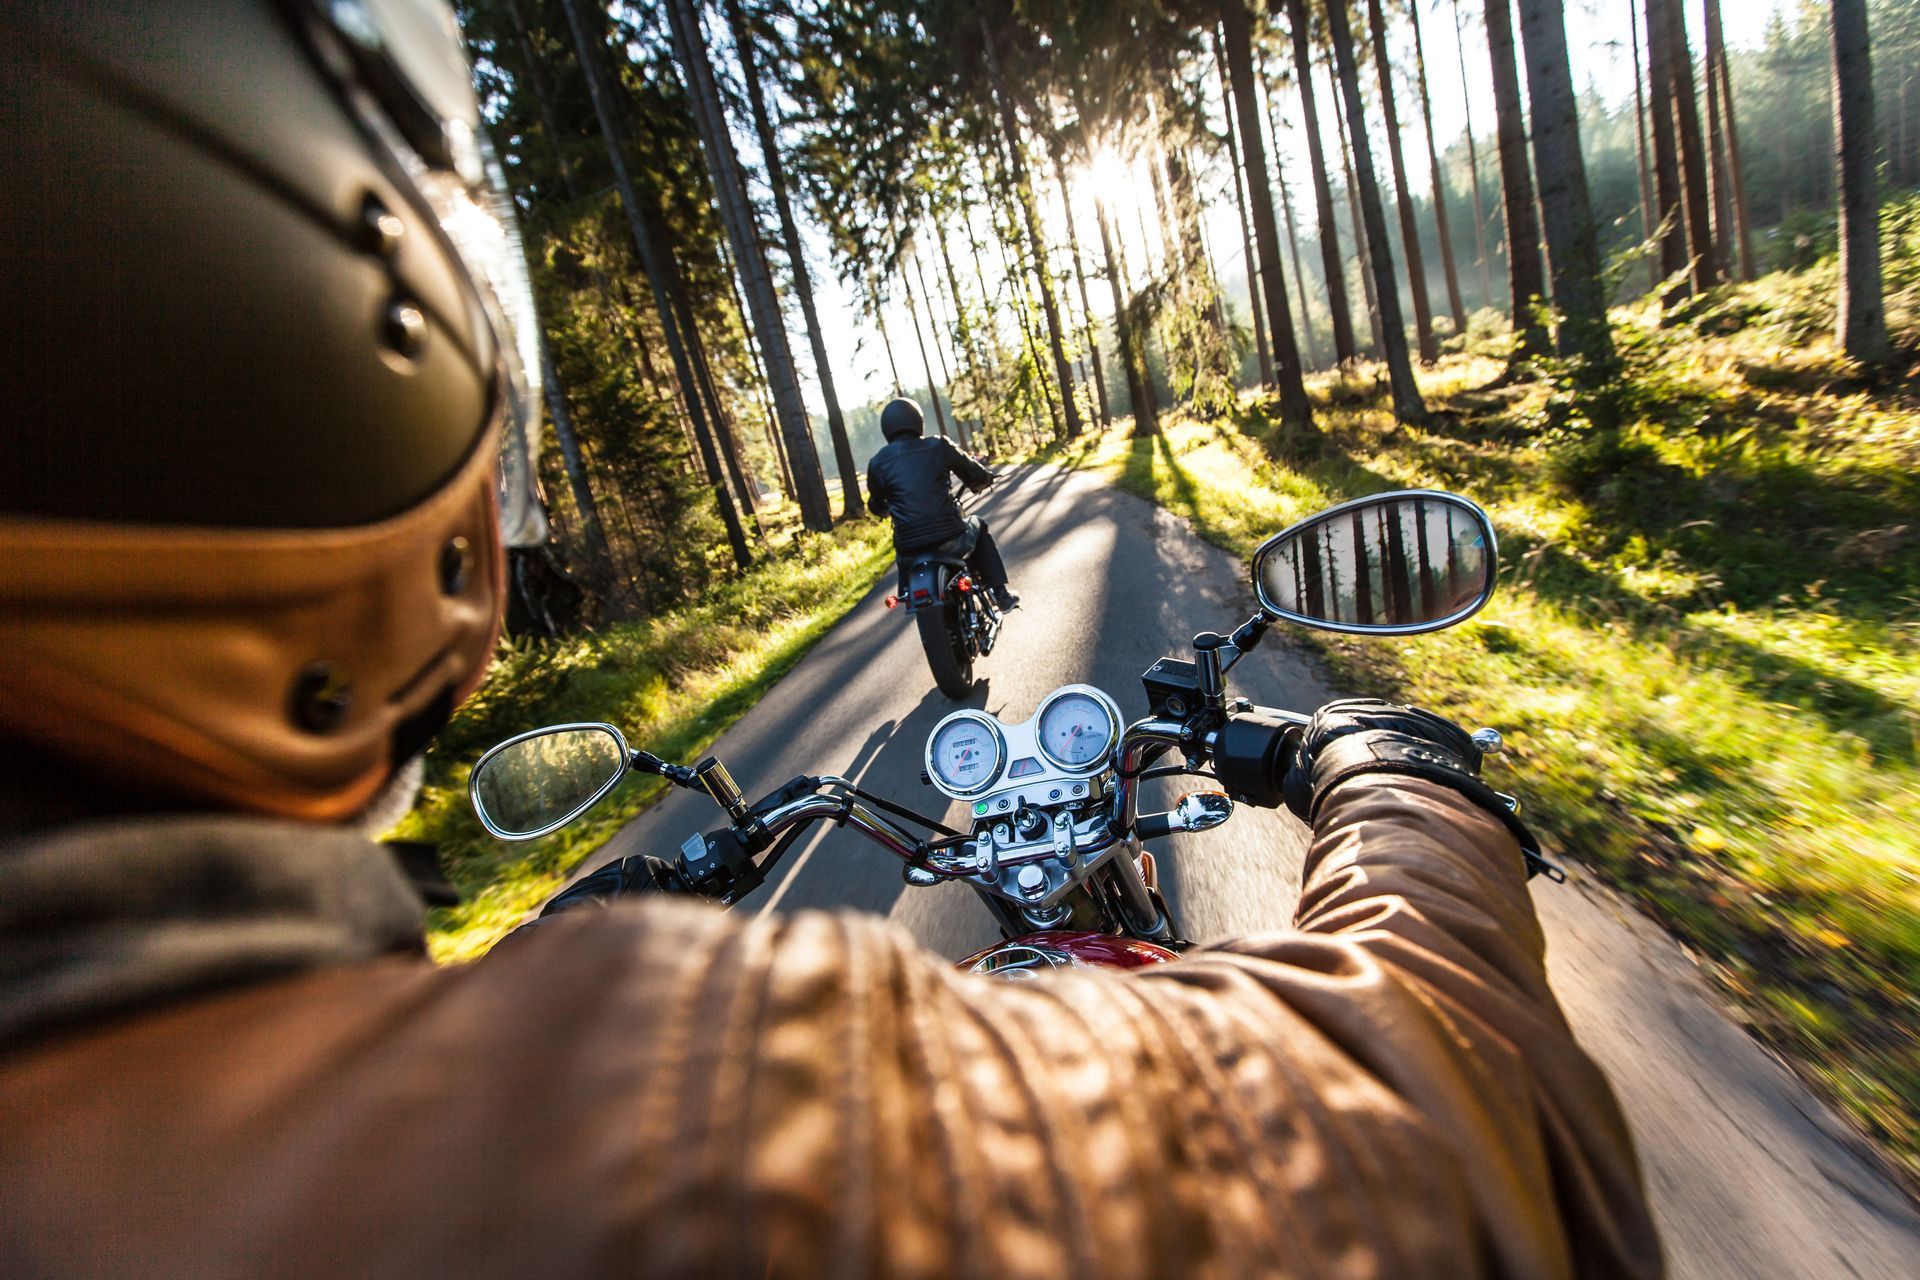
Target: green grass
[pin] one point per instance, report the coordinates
(672, 683)
(1704, 652)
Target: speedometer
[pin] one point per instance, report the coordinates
(1077, 729)
(964, 754)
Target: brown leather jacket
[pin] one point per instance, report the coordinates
(663, 1090)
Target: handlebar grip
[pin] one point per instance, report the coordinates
(1252, 756)
(1152, 826)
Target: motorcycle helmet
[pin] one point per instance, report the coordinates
(272, 393)
(902, 418)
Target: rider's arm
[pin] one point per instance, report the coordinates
(876, 491)
(662, 1089)
(972, 472)
(1421, 963)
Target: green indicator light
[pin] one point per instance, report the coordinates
(979, 807)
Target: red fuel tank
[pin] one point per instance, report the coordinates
(1035, 953)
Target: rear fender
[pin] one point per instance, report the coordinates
(926, 585)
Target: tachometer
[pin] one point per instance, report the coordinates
(1077, 729)
(964, 754)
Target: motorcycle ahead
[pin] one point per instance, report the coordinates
(1054, 838)
(955, 616)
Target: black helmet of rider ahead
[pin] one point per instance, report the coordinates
(902, 418)
(273, 398)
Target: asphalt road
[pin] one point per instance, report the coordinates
(1749, 1174)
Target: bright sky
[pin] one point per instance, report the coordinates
(1597, 33)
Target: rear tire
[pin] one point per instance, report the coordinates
(947, 656)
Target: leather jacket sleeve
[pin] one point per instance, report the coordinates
(661, 1089)
(876, 487)
(970, 470)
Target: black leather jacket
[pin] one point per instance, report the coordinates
(908, 480)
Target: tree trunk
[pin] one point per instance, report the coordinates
(1409, 228)
(1473, 163)
(968, 338)
(1644, 165)
(592, 533)
(1144, 421)
(1333, 268)
(1080, 277)
(1684, 121)
(926, 363)
(1023, 192)
(1579, 290)
(730, 195)
(767, 415)
(730, 454)
(1736, 181)
(1526, 273)
(1286, 212)
(1862, 324)
(1720, 198)
(1254, 302)
(587, 41)
(1447, 264)
(1668, 193)
(1023, 314)
(886, 339)
(843, 457)
(946, 372)
(1354, 220)
(1296, 411)
(1407, 405)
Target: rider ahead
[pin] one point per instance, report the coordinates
(911, 478)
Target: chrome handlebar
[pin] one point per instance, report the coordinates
(1141, 743)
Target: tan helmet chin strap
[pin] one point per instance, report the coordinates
(265, 671)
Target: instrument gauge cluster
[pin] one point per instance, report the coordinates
(1071, 737)
(965, 753)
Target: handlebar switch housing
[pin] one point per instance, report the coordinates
(1251, 757)
(719, 865)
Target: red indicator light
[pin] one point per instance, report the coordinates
(892, 600)
(963, 583)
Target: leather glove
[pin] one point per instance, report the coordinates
(628, 877)
(1356, 736)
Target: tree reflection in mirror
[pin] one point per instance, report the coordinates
(1402, 561)
(530, 786)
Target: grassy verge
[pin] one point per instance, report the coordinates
(1705, 652)
(672, 683)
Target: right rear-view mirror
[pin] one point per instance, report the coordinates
(1392, 564)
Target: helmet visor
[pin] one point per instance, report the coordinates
(479, 221)
(411, 86)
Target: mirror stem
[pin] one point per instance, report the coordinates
(1244, 640)
(647, 762)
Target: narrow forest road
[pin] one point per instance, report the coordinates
(1750, 1175)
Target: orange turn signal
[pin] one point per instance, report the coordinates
(892, 599)
(963, 583)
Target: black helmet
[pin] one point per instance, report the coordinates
(902, 418)
(273, 417)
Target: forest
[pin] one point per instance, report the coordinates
(1649, 294)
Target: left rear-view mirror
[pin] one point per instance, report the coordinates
(1392, 564)
(538, 782)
